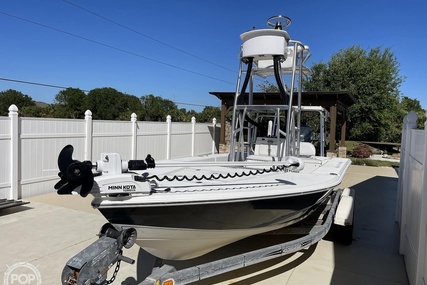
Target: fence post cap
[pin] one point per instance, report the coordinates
(88, 113)
(13, 108)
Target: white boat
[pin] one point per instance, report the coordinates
(270, 179)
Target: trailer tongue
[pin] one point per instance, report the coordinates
(90, 266)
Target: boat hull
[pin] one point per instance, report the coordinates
(187, 231)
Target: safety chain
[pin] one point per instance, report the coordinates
(116, 270)
(212, 176)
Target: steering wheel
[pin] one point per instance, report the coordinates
(279, 22)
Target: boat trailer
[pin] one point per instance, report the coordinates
(90, 266)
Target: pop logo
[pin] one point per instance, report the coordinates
(22, 273)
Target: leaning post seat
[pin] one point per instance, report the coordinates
(264, 44)
(266, 149)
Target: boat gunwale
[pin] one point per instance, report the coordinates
(138, 204)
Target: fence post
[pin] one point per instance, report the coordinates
(421, 262)
(193, 136)
(14, 154)
(88, 135)
(425, 155)
(168, 137)
(133, 119)
(409, 122)
(213, 135)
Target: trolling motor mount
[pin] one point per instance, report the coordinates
(74, 173)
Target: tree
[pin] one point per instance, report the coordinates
(22, 101)
(373, 78)
(190, 114)
(102, 102)
(70, 103)
(155, 108)
(32, 111)
(407, 104)
(48, 111)
(180, 115)
(209, 113)
(267, 86)
(129, 104)
(109, 104)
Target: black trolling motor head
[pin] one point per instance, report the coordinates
(73, 173)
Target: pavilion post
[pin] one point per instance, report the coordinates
(333, 130)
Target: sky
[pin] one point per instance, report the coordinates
(182, 50)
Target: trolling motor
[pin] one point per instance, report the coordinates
(74, 173)
(90, 266)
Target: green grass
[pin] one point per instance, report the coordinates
(371, 162)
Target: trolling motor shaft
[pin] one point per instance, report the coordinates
(90, 266)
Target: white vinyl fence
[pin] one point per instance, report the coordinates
(29, 147)
(411, 211)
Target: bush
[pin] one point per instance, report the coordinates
(362, 151)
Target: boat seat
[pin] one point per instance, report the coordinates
(266, 149)
(307, 149)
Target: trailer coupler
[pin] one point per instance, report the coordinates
(90, 266)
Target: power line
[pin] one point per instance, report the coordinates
(113, 47)
(36, 83)
(148, 37)
(191, 104)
